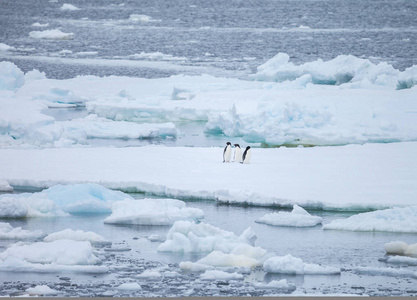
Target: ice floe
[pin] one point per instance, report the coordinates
(41, 290)
(52, 34)
(152, 212)
(60, 200)
(399, 219)
(289, 264)
(298, 217)
(8, 232)
(56, 256)
(70, 7)
(76, 235)
(220, 275)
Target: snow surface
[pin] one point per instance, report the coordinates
(396, 219)
(289, 264)
(353, 177)
(298, 217)
(152, 212)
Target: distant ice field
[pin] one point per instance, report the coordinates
(192, 35)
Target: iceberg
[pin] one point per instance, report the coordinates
(289, 264)
(11, 77)
(298, 217)
(398, 219)
(152, 212)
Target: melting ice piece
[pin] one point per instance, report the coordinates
(152, 212)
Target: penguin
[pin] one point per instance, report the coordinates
(227, 152)
(246, 156)
(238, 154)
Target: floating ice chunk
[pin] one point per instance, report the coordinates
(385, 271)
(5, 47)
(149, 274)
(402, 219)
(41, 290)
(220, 275)
(7, 232)
(142, 18)
(298, 217)
(11, 77)
(402, 260)
(340, 70)
(157, 56)
(220, 259)
(69, 7)
(34, 75)
(152, 212)
(60, 252)
(5, 186)
(82, 198)
(28, 205)
(289, 264)
(401, 248)
(37, 24)
(76, 235)
(129, 286)
(53, 34)
(186, 236)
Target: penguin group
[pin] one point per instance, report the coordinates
(238, 157)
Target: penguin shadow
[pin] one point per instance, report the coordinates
(238, 156)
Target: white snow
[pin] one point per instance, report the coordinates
(289, 264)
(60, 200)
(5, 186)
(396, 219)
(69, 7)
(149, 274)
(53, 34)
(401, 248)
(8, 232)
(298, 217)
(76, 235)
(275, 284)
(220, 275)
(11, 78)
(152, 212)
(37, 24)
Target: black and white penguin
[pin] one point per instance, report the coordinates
(246, 156)
(227, 152)
(238, 154)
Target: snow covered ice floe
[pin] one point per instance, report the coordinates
(55, 256)
(76, 235)
(152, 212)
(60, 200)
(53, 34)
(398, 219)
(69, 7)
(298, 217)
(289, 264)
(41, 290)
(8, 232)
(220, 275)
